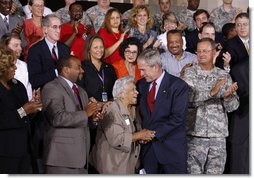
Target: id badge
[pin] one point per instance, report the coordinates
(104, 96)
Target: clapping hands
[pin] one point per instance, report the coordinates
(35, 104)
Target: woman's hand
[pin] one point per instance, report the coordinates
(144, 135)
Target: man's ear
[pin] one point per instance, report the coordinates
(45, 30)
(65, 71)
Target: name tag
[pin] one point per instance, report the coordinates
(127, 121)
(104, 96)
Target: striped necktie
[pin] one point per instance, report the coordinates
(54, 57)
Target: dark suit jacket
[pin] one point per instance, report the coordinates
(192, 40)
(67, 138)
(41, 66)
(13, 129)
(167, 119)
(239, 119)
(237, 50)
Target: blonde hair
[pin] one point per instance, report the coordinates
(136, 10)
(6, 59)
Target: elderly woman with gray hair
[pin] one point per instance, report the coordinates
(116, 150)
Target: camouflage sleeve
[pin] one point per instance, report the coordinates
(197, 94)
(86, 19)
(232, 103)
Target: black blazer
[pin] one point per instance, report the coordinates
(239, 119)
(41, 66)
(192, 40)
(92, 83)
(237, 50)
(13, 129)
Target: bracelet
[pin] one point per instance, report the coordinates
(22, 112)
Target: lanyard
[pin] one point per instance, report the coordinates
(101, 78)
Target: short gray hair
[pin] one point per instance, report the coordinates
(119, 85)
(46, 19)
(151, 57)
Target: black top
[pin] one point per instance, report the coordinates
(13, 129)
(92, 82)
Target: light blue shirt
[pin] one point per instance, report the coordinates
(174, 66)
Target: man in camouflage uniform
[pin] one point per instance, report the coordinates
(63, 14)
(212, 95)
(224, 14)
(185, 16)
(97, 13)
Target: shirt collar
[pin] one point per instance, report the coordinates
(3, 16)
(244, 40)
(70, 84)
(158, 80)
(50, 45)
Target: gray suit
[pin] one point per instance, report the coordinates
(67, 137)
(13, 21)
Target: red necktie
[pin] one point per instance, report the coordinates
(54, 53)
(75, 89)
(150, 96)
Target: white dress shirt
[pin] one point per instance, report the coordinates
(21, 74)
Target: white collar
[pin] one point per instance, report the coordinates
(3, 16)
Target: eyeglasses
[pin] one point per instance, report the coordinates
(203, 50)
(242, 24)
(38, 5)
(130, 52)
(55, 27)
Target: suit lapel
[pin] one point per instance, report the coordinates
(3, 25)
(145, 99)
(161, 94)
(59, 49)
(46, 49)
(240, 42)
(69, 91)
(83, 97)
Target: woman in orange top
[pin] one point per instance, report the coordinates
(129, 50)
(32, 27)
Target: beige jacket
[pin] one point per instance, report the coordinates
(114, 152)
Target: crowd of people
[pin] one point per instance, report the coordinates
(98, 92)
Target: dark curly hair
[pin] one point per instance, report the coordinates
(129, 41)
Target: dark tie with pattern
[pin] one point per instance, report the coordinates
(6, 22)
(75, 89)
(150, 96)
(54, 53)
